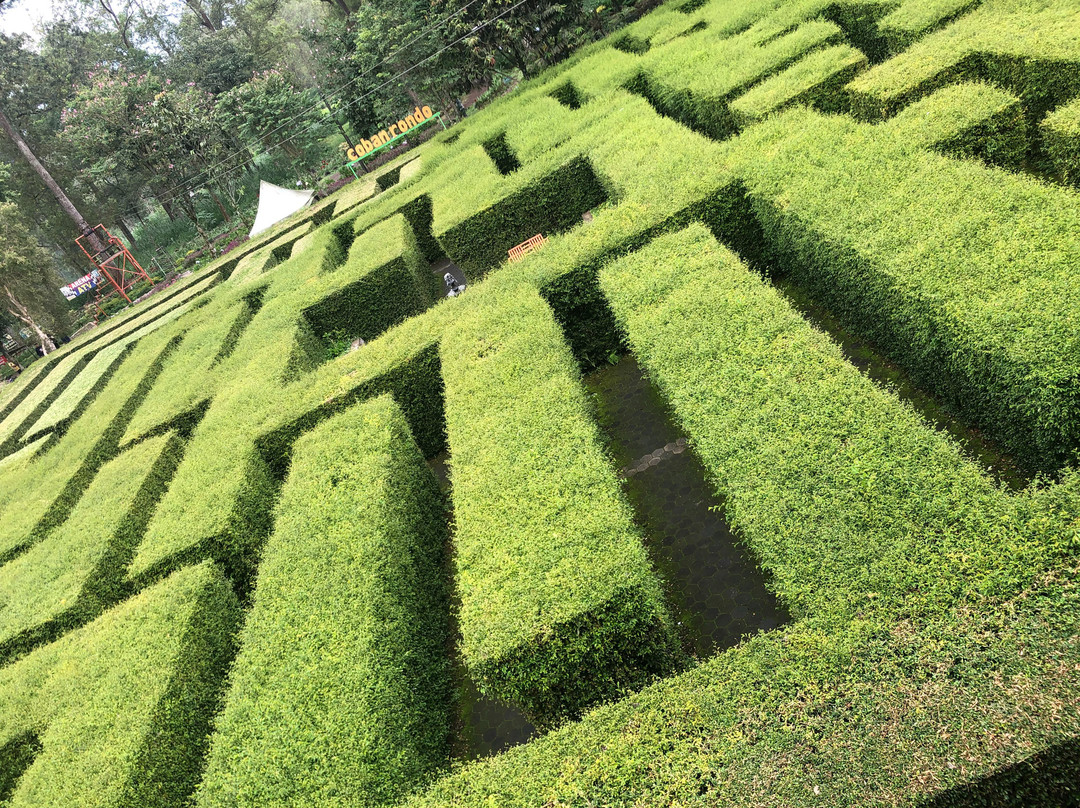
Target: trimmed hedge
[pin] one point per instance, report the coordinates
(877, 715)
(824, 472)
(121, 707)
(62, 473)
(343, 693)
(967, 120)
(77, 396)
(398, 287)
(560, 607)
(913, 19)
(78, 569)
(39, 399)
(219, 503)
(1061, 141)
(848, 499)
(547, 198)
(1028, 46)
(94, 375)
(187, 373)
(815, 80)
(672, 81)
(25, 409)
(961, 273)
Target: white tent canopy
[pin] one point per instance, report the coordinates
(277, 203)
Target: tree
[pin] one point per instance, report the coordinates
(28, 280)
(65, 204)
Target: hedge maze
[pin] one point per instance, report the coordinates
(228, 577)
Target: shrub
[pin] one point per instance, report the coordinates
(1029, 48)
(122, 706)
(968, 120)
(671, 82)
(346, 692)
(477, 227)
(913, 19)
(1061, 141)
(400, 285)
(62, 474)
(78, 569)
(975, 310)
(559, 605)
(891, 505)
(815, 80)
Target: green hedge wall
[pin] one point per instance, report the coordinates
(1061, 141)
(815, 80)
(219, 502)
(673, 81)
(62, 474)
(121, 707)
(975, 309)
(890, 686)
(344, 694)
(549, 203)
(560, 607)
(381, 297)
(1028, 47)
(78, 569)
(913, 19)
(848, 499)
(875, 715)
(971, 119)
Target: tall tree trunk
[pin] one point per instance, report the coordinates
(126, 231)
(333, 115)
(46, 177)
(204, 19)
(217, 199)
(20, 311)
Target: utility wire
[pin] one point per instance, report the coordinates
(404, 72)
(182, 186)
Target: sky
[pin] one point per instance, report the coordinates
(19, 16)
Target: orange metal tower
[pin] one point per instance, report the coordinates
(113, 260)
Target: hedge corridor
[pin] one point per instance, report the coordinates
(228, 576)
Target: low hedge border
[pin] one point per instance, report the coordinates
(348, 692)
(77, 571)
(24, 409)
(78, 395)
(33, 406)
(62, 474)
(188, 375)
(560, 607)
(121, 708)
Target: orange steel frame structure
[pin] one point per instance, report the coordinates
(114, 260)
